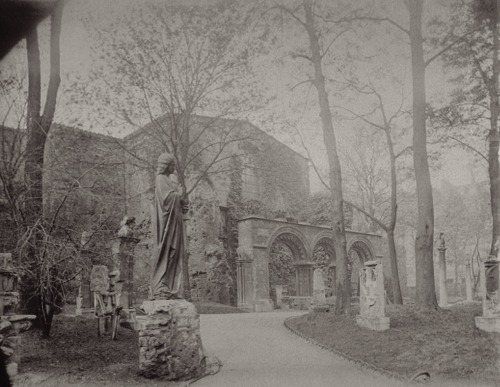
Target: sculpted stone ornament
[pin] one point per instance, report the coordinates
(168, 232)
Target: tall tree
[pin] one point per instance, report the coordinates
(306, 14)
(386, 126)
(38, 127)
(171, 64)
(475, 102)
(425, 296)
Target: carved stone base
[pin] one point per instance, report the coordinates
(488, 324)
(169, 341)
(373, 323)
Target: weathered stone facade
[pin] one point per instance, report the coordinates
(105, 178)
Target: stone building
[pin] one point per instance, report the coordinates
(243, 233)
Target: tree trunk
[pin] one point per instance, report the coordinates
(425, 287)
(494, 137)
(343, 286)
(393, 258)
(38, 127)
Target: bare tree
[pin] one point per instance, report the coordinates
(173, 64)
(306, 15)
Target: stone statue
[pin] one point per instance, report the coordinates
(168, 232)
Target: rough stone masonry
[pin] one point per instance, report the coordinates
(169, 341)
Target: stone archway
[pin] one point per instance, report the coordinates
(288, 265)
(360, 251)
(256, 237)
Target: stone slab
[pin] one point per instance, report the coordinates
(373, 323)
(488, 324)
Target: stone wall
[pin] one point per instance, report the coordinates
(105, 178)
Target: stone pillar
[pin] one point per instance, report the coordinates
(468, 282)
(244, 284)
(169, 341)
(443, 294)
(304, 279)
(279, 295)
(372, 297)
(123, 261)
(86, 294)
(319, 296)
(490, 279)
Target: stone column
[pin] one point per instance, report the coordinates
(304, 279)
(468, 282)
(319, 297)
(123, 261)
(490, 279)
(86, 295)
(244, 284)
(443, 294)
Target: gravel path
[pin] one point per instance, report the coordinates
(257, 350)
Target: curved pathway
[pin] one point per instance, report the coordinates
(256, 349)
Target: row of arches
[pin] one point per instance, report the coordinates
(289, 254)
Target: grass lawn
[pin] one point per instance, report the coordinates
(445, 343)
(74, 355)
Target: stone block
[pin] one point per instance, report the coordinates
(170, 345)
(373, 323)
(488, 324)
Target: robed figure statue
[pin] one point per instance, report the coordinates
(168, 232)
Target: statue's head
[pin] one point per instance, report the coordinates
(165, 161)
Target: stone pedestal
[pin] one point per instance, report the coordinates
(490, 289)
(170, 345)
(123, 261)
(372, 297)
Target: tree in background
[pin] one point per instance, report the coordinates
(471, 116)
(324, 27)
(171, 65)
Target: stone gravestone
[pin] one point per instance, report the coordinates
(490, 290)
(319, 295)
(372, 297)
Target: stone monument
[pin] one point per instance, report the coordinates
(11, 323)
(443, 293)
(169, 333)
(124, 263)
(319, 295)
(490, 279)
(372, 297)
